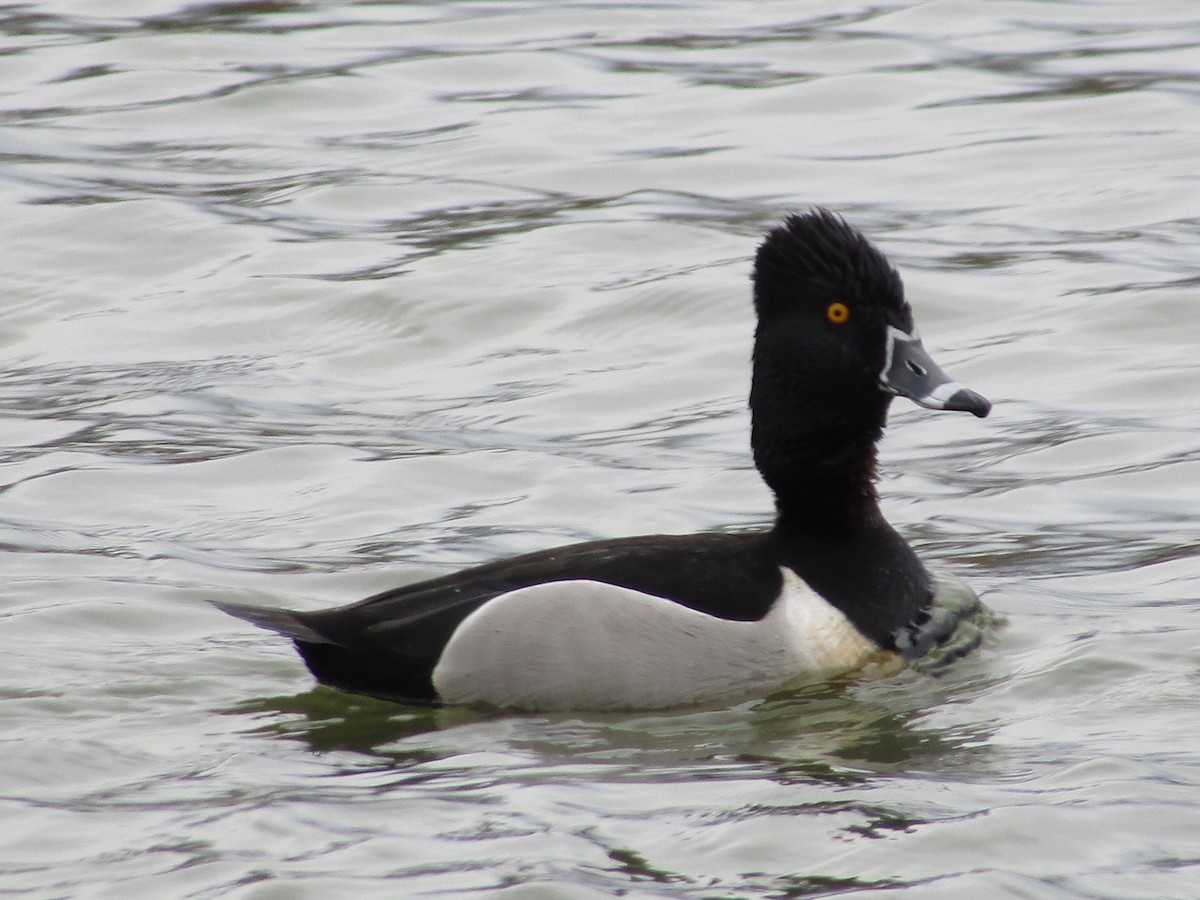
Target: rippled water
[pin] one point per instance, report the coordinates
(305, 300)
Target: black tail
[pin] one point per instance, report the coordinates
(281, 621)
(360, 668)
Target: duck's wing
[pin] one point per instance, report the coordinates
(388, 644)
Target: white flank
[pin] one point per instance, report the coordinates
(589, 645)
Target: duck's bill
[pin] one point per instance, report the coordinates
(910, 372)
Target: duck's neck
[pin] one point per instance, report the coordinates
(820, 462)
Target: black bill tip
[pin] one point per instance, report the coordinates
(969, 401)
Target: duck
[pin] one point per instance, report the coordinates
(663, 621)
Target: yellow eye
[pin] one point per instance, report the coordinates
(837, 313)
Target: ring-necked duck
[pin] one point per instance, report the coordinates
(671, 620)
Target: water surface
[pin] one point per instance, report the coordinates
(306, 300)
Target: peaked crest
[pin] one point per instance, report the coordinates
(819, 249)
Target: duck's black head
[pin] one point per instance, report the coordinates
(835, 342)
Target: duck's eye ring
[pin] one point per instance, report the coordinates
(838, 313)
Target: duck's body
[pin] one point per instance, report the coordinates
(665, 621)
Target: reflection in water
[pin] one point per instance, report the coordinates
(326, 720)
(825, 733)
(834, 747)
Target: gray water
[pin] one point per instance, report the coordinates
(305, 300)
